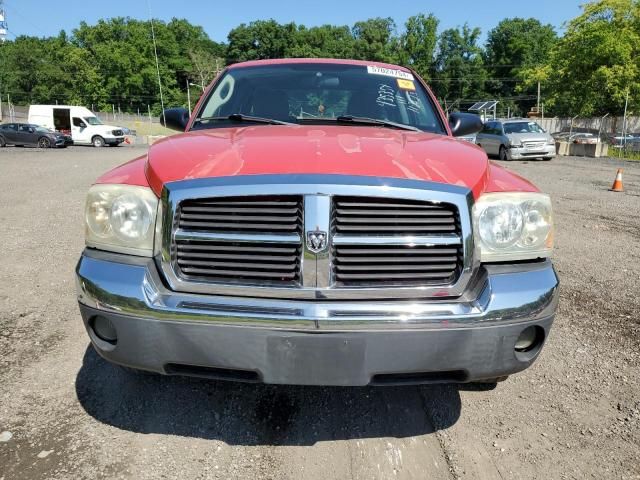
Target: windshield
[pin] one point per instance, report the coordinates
(320, 93)
(93, 120)
(522, 127)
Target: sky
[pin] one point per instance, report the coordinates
(46, 18)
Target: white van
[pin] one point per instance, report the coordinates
(85, 128)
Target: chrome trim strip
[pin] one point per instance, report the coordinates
(132, 286)
(408, 240)
(325, 186)
(235, 237)
(317, 217)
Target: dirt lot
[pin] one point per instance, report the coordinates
(65, 413)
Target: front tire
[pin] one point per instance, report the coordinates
(98, 141)
(2, 142)
(44, 142)
(502, 154)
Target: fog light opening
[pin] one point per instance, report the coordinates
(530, 339)
(104, 329)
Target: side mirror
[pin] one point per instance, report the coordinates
(175, 118)
(32, 130)
(464, 124)
(83, 125)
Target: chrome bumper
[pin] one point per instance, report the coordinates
(292, 341)
(517, 153)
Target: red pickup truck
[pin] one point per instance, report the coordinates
(317, 222)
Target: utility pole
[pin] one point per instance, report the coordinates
(189, 96)
(624, 121)
(3, 37)
(538, 111)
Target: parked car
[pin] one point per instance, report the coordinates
(619, 140)
(516, 139)
(26, 134)
(358, 245)
(83, 126)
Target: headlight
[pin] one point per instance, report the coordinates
(515, 143)
(513, 226)
(121, 218)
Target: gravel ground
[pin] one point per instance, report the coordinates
(65, 413)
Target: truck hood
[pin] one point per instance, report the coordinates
(529, 137)
(342, 150)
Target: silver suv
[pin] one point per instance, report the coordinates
(516, 139)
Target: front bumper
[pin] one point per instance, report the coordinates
(315, 342)
(113, 140)
(518, 153)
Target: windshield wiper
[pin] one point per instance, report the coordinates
(374, 121)
(239, 117)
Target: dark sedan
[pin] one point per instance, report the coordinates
(26, 134)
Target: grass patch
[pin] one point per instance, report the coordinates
(624, 154)
(146, 128)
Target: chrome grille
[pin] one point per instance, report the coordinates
(269, 214)
(239, 262)
(381, 216)
(253, 236)
(388, 265)
(240, 240)
(401, 262)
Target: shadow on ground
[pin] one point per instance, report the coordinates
(255, 414)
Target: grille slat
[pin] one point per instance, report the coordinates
(398, 213)
(399, 228)
(389, 268)
(355, 215)
(369, 220)
(237, 273)
(247, 262)
(362, 264)
(395, 266)
(263, 214)
(236, 265)
(236, 226)
(242, 256)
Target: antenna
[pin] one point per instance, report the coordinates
(155, 52)
(3, 23)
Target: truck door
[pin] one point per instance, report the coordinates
(80, 131)
(62, 120)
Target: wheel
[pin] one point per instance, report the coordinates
(502, 154)
(98, 141)
(44, 142)
(546, 159)
(2, 142)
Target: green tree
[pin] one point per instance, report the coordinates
(514, 47)
(326, 41)
(260, 40)
(374, 39)
(417, 45)
(459, 67)
(597, 61)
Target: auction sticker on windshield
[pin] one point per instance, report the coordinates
(406, 84)
(389, 72)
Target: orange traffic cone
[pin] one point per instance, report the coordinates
(617, 183)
